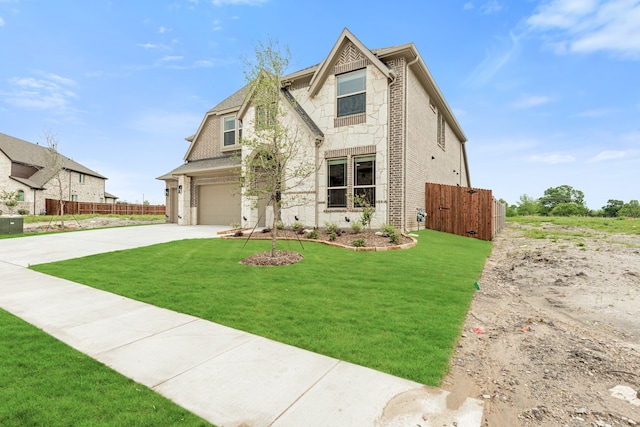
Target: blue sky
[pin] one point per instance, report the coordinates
(546, 91)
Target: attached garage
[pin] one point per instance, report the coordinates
(218, 204)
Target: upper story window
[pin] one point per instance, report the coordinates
(81, 178)
(266, 116)
(352, 94)
(232, 131)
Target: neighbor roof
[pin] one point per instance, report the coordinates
(26, 153)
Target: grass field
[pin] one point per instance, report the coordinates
(400, 312)
(44, 382)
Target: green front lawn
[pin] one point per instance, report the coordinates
(44, 382)
(400, 312)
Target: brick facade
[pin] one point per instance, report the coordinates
(397, 92)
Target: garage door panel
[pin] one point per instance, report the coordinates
(218, 204)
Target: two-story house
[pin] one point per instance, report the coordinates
(373, 122)
(34, 174)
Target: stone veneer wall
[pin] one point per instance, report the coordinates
(396, 144)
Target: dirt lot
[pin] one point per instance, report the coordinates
(70, 223)
(554, 326)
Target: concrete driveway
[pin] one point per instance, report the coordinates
(226, 376)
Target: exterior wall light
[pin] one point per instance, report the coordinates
(179, 189)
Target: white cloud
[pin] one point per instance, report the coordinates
(162, 30)
(49, 92)
(1, 21)
(530, 101)
(552, 159)
(495, 60)
(147, 45)
(490, 7)
(238, 2)
(169, 58)
(602, 112)
(153, 123)
(586, 26)
(607, 155)
(467, 6)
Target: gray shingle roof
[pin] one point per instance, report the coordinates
(26, 153)
(205, 165)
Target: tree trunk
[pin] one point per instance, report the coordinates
(274, 229)
(62, 213)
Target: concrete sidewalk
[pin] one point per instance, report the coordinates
(226, 376)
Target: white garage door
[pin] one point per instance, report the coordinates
(218, 204)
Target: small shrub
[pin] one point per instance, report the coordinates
(313, 234)
(395, 238)
(331, 227)
(358, 243)
(297, 226)
(387, 230)
(280, 225)
(23, 211)
(235, 225)
(356, 227)
(333, 236)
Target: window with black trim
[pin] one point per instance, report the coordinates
(364, 177)
(337, 183)
(352, 95)
(81, 178)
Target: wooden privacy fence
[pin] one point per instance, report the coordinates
(465, 211)
(79, 208)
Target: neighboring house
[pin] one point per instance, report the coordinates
(31, 171)
(374, 123)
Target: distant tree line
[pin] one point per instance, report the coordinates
(567, 201)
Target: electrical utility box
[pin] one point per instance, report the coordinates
(11, 225)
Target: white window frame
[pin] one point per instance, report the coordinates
(236, 131)
(81, 178)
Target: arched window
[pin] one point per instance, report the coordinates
(20, 196)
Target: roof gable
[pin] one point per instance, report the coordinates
(347, 50)
(27, 153)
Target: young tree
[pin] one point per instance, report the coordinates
(527, 205)
(273, 162)
(9, 199)
(56, 165)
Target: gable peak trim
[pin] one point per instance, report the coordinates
(355, 51)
